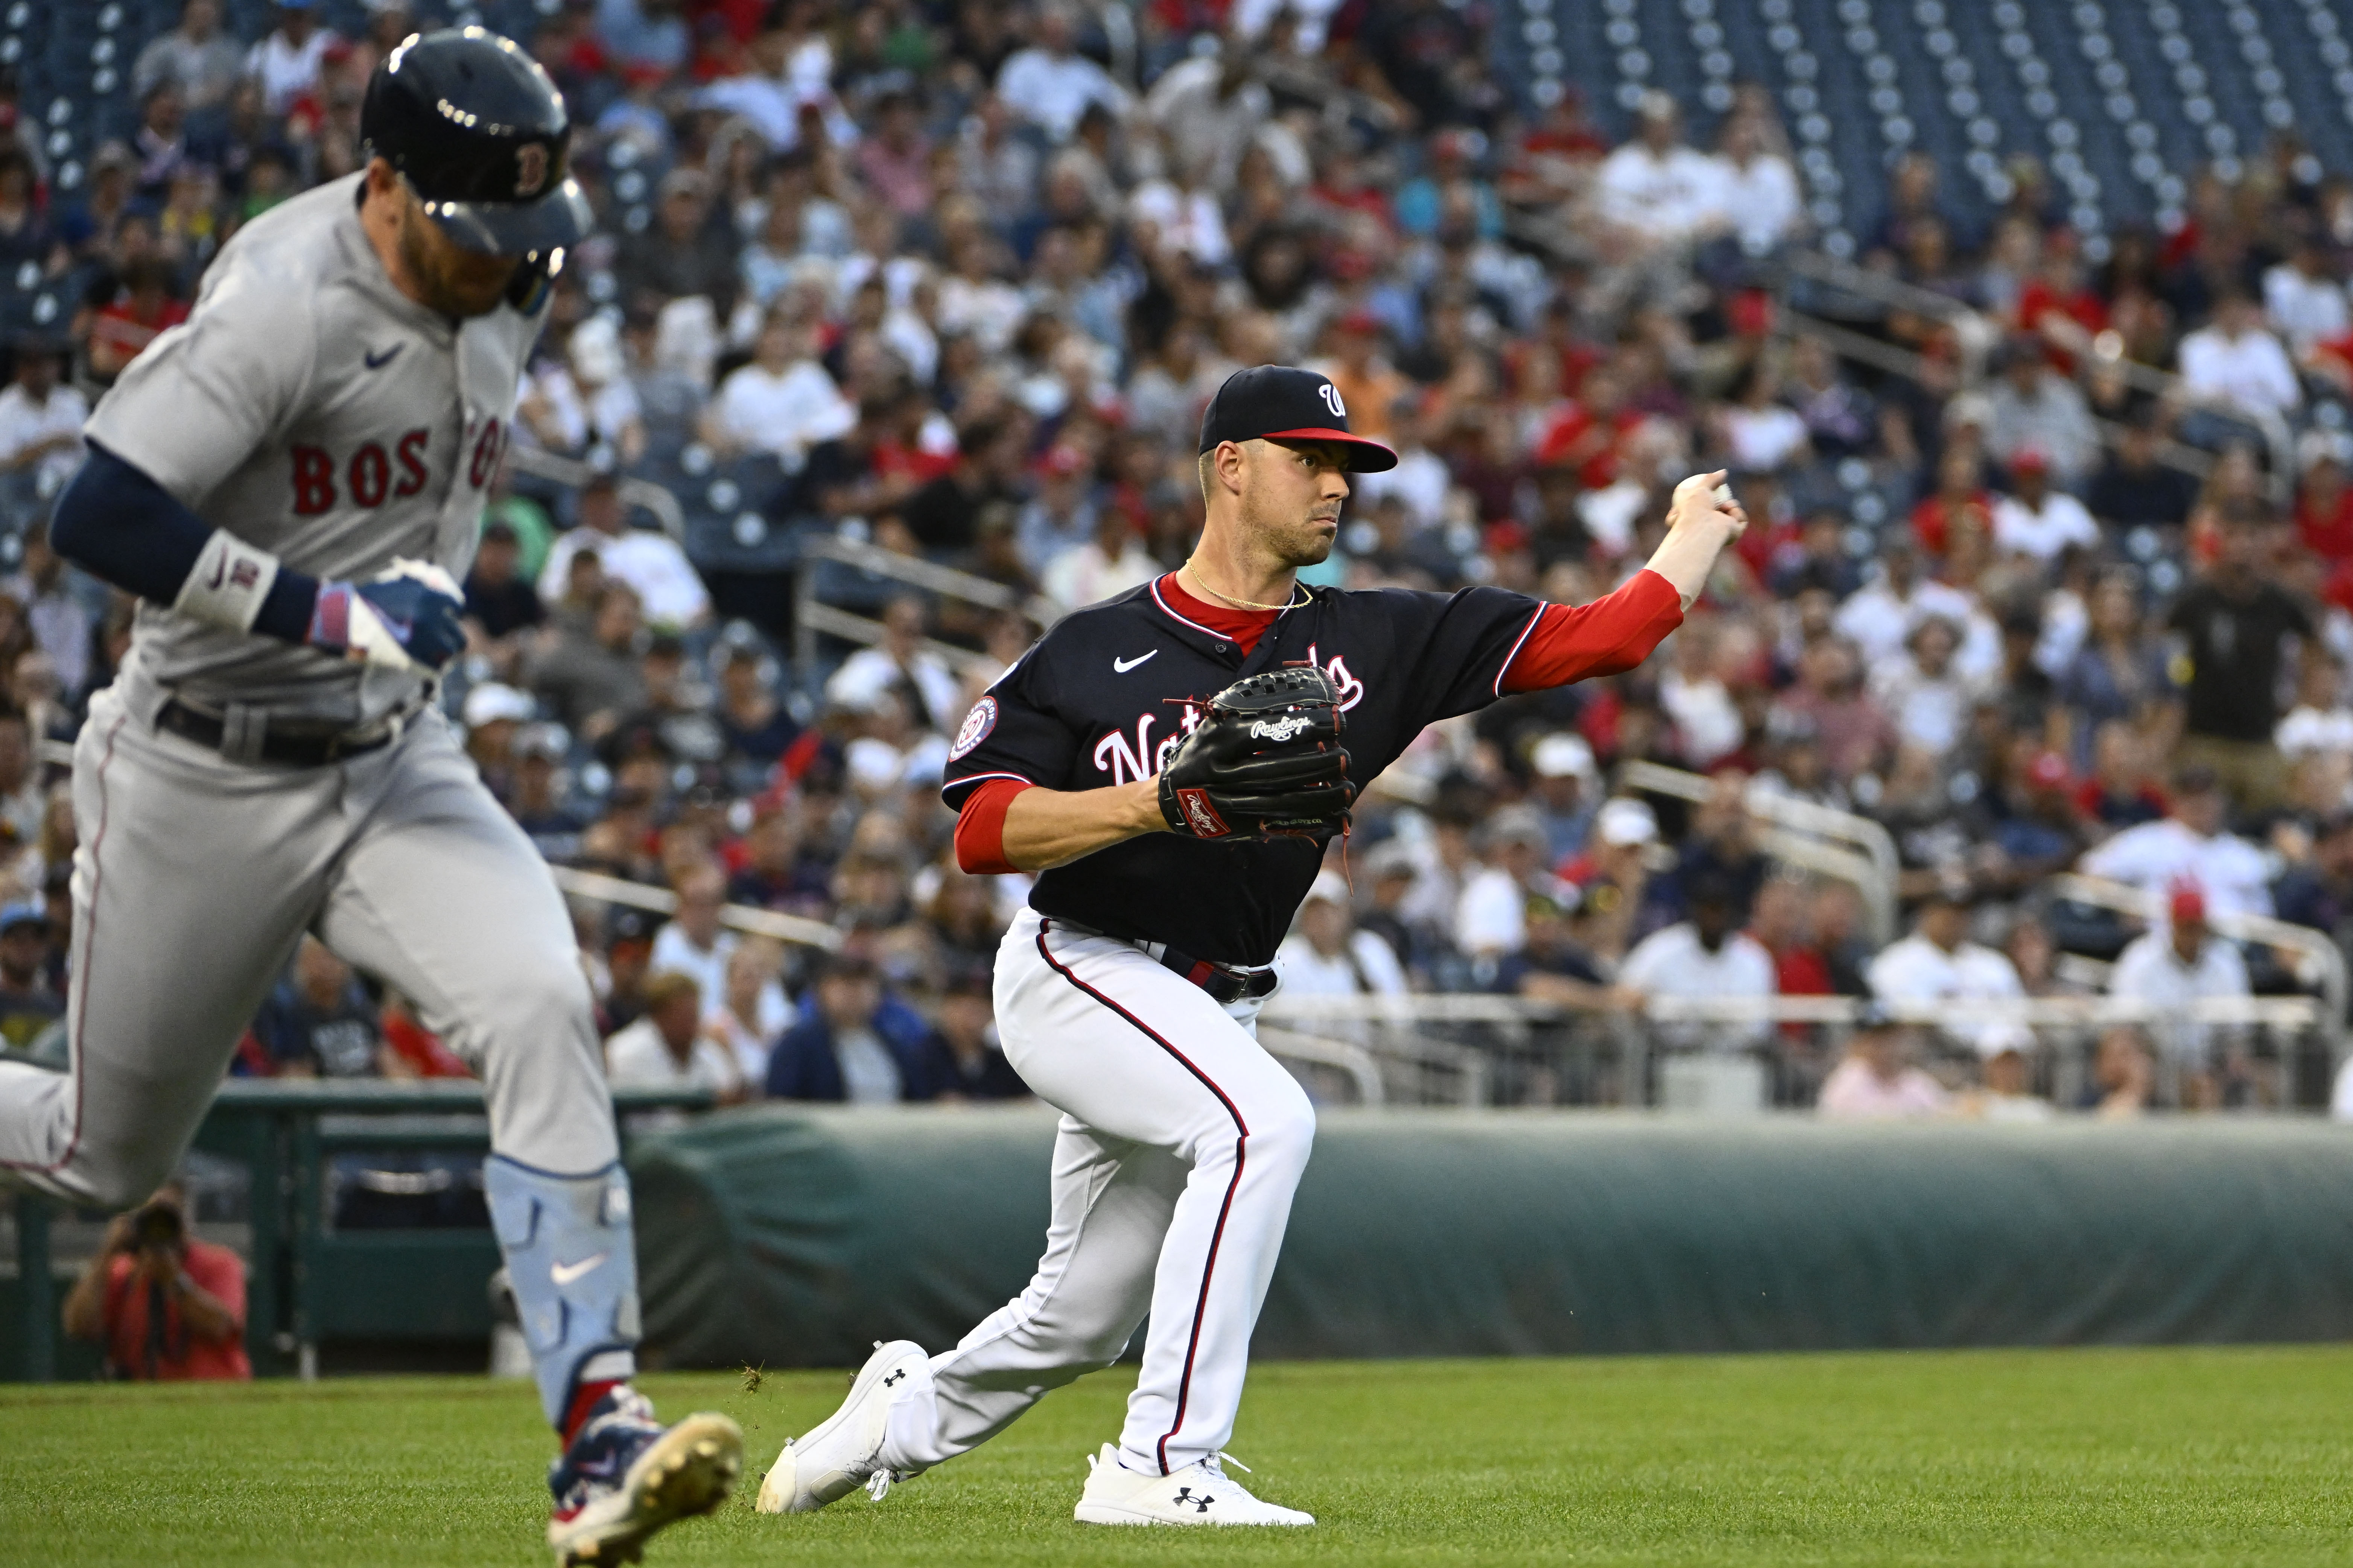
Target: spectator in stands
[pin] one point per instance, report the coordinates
(2237, 623)
(2008, 1093)
(850, 1045)
(751, 1010)
(2124, 1078)
(2190, 846)
(1566, 789)
(143, 310)
(40, 417)
(537, 803)
(166, 1305)
(2236, 365)
(1880, 616)
(670, 593)
(2118, 675)
(1662, 193)
(2134, 488)
(1613, 872)
(963, 1057)
(193, 57)
(590, 677)
(289, 62)
(2036, 521)
(500, 605)
(1937, 964)
(2032, 409)
(1105, 566)
(1487, 915)
(1049, 83)
(2303, 302)
(783, 402)
(318, 1023)
(2173, 966)
(28, 1003)
(693, 943)
(668, 1047)
(1326, 955)
(900, 665)
(1704, 956)
(1875, 1080)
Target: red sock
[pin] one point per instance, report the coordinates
(584, 1400)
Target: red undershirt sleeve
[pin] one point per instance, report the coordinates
(1608, 636)
(980, 827)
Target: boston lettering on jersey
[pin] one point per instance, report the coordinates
(1104, 699)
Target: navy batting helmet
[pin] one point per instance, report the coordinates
(481, 134)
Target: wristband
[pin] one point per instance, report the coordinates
(230, 580)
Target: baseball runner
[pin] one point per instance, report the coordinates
(290, 483)
(1172, 762)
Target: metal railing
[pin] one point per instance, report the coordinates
(572, 472)
(1977, 332)
(795, 929)
(811, 616)
(2318, 957)
(1801, 833)
(1478, 1049)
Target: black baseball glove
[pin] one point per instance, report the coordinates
(1265, 760)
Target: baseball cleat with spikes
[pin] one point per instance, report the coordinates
(626, 1476)
(842, 1453)
(1200, 1493)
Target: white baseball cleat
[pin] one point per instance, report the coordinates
(1200, 1493)
(833, 1458)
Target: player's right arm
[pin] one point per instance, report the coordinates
(186, 415)
(1011, 826)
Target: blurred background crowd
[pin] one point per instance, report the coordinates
(2050, 566)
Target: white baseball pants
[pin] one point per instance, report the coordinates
(195, 878)
(1180, 1146)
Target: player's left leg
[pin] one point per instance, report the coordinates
(442, 896)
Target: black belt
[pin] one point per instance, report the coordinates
(1223, 981)
(292, 748)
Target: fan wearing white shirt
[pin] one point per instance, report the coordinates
(1665, 193)
(2173, 965)
(668, 589)
(2305, 305)
(2036, 521)
(783, 402)
(1938, 962)
(1879, 618)
(1757, 191)
(1110, 564)
(2190, 847)
(667, 1047)
(694, 944)
(1051, 84)
(1704, 956)
(900, 663)
(1326, 955)
(2234, 361)
(41, 419)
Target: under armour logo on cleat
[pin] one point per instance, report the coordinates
(1185, 1495)
(895, 1378)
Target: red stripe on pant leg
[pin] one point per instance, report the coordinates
(1216, 1236)
(89, 945)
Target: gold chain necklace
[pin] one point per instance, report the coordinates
(1300, 595)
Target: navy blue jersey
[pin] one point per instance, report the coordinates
(1102, 699)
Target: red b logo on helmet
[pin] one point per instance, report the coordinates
(531, 169)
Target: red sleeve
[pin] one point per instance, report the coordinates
(1574, 642)
(980, 827)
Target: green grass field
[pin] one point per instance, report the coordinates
(2058, 1457)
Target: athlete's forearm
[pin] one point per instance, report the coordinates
(1046, 827)
(1699, 525)
(123, 527)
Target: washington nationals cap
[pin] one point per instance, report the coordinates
(1282, 403)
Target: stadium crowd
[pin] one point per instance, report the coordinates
(970, 289)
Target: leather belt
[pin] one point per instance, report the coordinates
(290, 748)
(1225, 983)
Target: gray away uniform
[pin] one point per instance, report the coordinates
(310, 409)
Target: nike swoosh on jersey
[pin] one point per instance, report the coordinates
(565, 1273)
(1124, 665)
(375, 361)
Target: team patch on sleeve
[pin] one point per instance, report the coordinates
(974, 729)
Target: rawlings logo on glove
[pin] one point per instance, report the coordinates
(1265, 760)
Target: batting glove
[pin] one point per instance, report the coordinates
(406, 618)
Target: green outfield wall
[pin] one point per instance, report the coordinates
(794, 1237)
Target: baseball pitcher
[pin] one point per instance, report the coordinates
(1173, 763)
